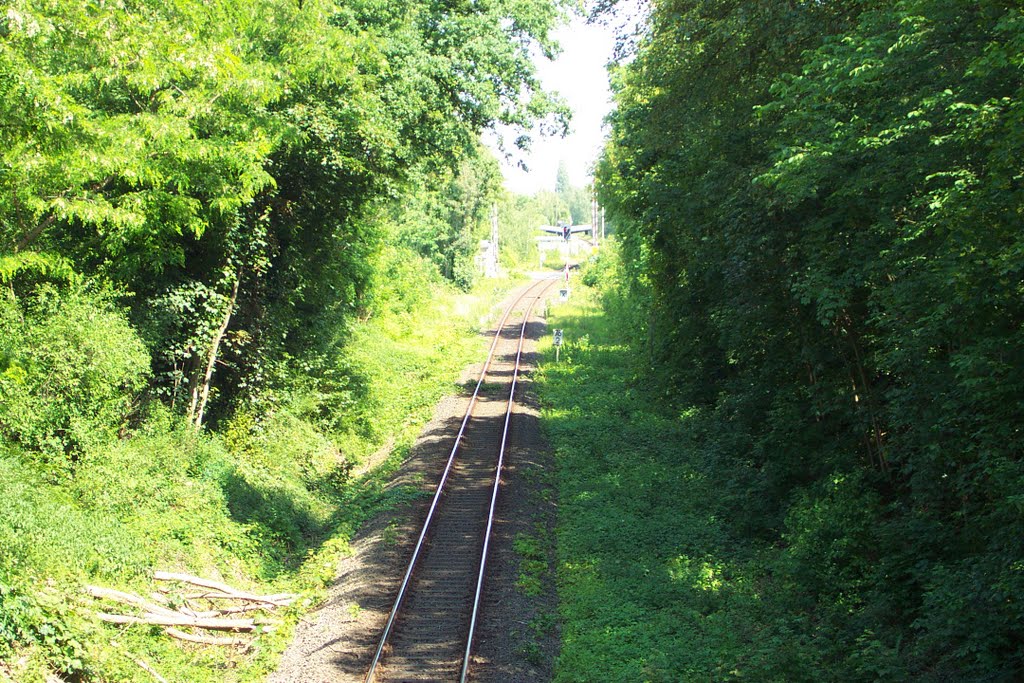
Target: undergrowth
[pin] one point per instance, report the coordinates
(266, 502)
(653, 585)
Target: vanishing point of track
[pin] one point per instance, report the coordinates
(428, 635)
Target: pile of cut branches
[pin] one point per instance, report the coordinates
(205, 605)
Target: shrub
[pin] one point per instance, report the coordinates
(71, 373)
(27, 621)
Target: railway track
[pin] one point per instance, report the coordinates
(428, 635)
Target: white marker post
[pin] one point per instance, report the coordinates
(558, 343)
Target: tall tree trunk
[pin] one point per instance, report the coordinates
(201, 392)
(866, 389)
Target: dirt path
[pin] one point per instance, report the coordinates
(517, 639)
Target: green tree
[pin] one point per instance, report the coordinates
(562, 182)
(576, 200)
(226, 162)
(819, 219)
(444, 216)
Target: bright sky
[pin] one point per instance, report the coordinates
(579, 75)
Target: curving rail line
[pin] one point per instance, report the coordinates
(429, 646)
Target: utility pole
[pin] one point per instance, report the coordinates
(494, 226)
(494, 241)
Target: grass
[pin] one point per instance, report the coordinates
(651, 585)
(535, 552)
(533, 563)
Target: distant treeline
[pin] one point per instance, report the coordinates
(821, 207)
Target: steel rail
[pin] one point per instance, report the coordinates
(392, 615)
(494, 490)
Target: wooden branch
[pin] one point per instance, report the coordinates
(205, 640)
(35, 232)
(159, 598)
(278, 600)
(241, 609)
(209, 595)
(188, 611)
(195, 581)
(150, 670)
(181, 620)
(128, 598)
(157, 612)
(227, 592)
(38, 230)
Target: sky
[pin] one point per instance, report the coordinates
(579, 75)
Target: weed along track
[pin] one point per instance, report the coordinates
(428, 635)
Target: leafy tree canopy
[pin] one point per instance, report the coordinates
(223, 160)
(821, 213)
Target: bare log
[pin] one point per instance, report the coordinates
(240, 609)
(227, 592)
(181, 620)
(205, 640)
(209, 595)
(188, 611)
(130, 599)
(269, 601)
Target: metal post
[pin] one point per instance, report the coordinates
(494, 240)
(494, 227)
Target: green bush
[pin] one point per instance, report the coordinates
(286, 444)
(71, 374)
(38, 624)
(403, 281)
(44, 530)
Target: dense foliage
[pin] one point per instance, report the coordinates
(820, 206)
(223, 226)
(227, 164)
